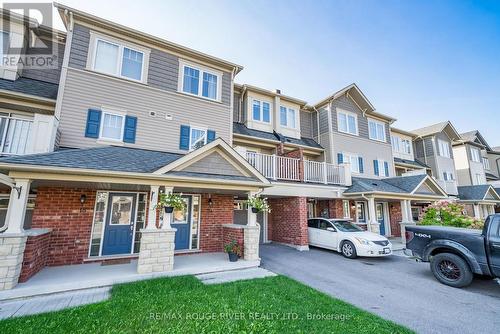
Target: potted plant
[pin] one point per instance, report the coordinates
(171, 202)
(233, 249)
(258, 204)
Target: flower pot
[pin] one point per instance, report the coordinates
(255, 210)
(233, 257)
(169, 209)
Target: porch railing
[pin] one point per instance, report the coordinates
(322, 172)
(15, 135)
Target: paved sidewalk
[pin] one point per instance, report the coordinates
(52, 302)
(234, 275)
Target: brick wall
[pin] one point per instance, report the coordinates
(395, 217)
(35, 255)
(334, 208)
(288, 220)
(212, 219)
(71, 223)
(229, 234)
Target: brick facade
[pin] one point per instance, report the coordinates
(296, 154)
(229, 234)
(35, 255)
(395, 217)
(212, 219)
(334, 208)
(287, 222)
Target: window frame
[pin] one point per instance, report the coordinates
(261, 111)
(346, 208)
(112, 113)
(191, 128)
(119, 65)
(475, 153)
(202, 69)
(347, 114)
(381, 167)
(441, 144)
(351, 156)
(9, 36)
(486, 163)
(287, 113)
(376, 123)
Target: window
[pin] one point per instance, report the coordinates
(381, 168)
(15, 133)
(197, 138)
(4, 43)
(287, 117)
(346, 210)
(486, 163)
(376, 130)
(444, 148)
(347, 123)
(261, 111)
(353, 160)
(447, 176)
(200, 82)
(475, 156)
(312, 223)
(119, 60)
(479, 179)
(112, 126)
(323, 224)
(360, 212)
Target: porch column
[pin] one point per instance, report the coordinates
(404, 212)
(167, 217)
(153, 201)
(477, 211)
(17, 206)
(251, 235)
(373, 225)
(408, 211)
(251, 217)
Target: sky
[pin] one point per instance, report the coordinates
(419, 61)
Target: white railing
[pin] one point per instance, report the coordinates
(450, 186)
(322, 172)
(287, 168)
(15, 135)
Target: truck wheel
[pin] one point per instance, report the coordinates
(348, 250)
(451, 269)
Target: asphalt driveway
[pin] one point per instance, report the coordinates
(395, 287)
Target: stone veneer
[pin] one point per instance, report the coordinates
(11, 258)
(157, 251)
(251, 243)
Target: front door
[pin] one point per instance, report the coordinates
(381, 217)
(181, 220)
(120, 219)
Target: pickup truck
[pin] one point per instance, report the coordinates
(456, 254)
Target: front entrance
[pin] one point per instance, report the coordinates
(120, 222)
(380, 212)
(181, 220)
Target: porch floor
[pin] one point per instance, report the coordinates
(92, 275)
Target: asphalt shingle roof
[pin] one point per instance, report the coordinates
(490, 176)
(213, 176)
(431, 129)
(400, 184)
(415, 162)
(30, 87)
(473, 193)
(242, 129)
(112, 158)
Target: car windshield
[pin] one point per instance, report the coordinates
(346, 226)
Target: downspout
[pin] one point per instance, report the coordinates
(240, 114)
(318, 137)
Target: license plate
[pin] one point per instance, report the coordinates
(387, 250)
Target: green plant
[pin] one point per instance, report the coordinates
(452, 214)
(171, 200)
(232, 247)
(258, 203)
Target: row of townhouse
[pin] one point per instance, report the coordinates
(124, 116)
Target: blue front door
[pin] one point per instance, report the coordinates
(181, 220)
(120, 221)
(381, 217)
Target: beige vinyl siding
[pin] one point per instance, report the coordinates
(85, 89)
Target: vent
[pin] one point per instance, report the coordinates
(277, 91)
(152, 113)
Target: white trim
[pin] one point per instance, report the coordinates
(347, 114)
(376, 122)
(441, 144)
(261, 111)
(112, 112)
(288, 110)
(191, 127)
(202, 69)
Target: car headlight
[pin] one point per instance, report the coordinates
(363, 241)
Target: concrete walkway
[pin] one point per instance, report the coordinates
(53, 302)
(234, 275)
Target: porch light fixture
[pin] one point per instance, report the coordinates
(83, 198)
(210, 202)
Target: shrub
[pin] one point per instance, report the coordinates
(451, 214)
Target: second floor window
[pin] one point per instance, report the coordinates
(115, 59)
(261, 111)
(475, 155)
(447, 176)
(401, 145)
(198, 138)
(444, 148)
(376, 130)
(200, 82)
(486, 163)
(112, 126)
(287, 117)
(347, 123)
(4, 43)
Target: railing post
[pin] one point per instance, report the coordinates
(346, 172)
(274, 167)
(325, 178)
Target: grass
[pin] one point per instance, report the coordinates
(184, 305)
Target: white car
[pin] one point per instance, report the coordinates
(347, 238)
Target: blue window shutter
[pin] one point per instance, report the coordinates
(386, 167)
(129, 131)
(184, 138)
(93, 123)
(375, 167)
(361, 168)
(340, 158)
(210, 136)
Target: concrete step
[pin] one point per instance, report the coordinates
(234, 275)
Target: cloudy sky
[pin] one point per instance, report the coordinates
(420, 61)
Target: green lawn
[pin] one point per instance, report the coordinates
(184, 305)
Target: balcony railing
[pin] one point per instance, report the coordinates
(449, 186)
(293, 169)
(15, 135)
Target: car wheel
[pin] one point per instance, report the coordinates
(451, 269)
(348, 250)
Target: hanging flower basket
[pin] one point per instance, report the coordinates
(170, 202)
(258, 204)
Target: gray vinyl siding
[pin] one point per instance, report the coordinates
(429, 147)
(323, 121)
(51, 75)
(86, 90)
(314, 124)
(306, 124)
(163, 71)
(214, 163)
(236, 108)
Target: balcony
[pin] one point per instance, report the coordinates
(277, 167)
(15, 135)
(450, 186)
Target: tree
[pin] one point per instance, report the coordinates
(452, 214)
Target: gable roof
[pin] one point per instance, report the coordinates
(415, 163)
(474, 137)
(477, 193)
(357, 95)
(436, 128)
